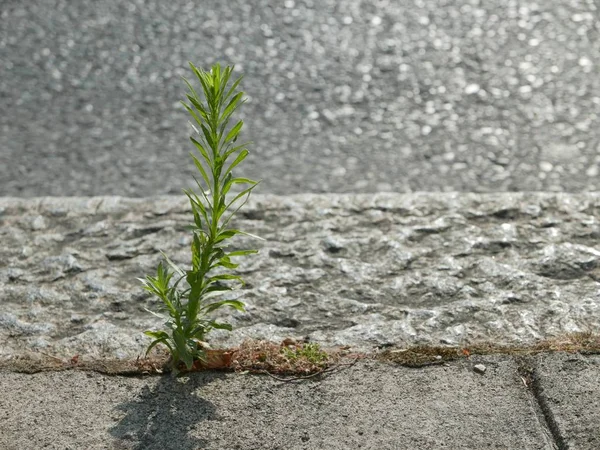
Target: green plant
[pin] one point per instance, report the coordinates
(311, 352)
(188, 309)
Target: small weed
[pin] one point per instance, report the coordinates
(188, 310)
(311, 352)
(263, 356)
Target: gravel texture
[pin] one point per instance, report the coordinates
(344, 96)
(362, 270)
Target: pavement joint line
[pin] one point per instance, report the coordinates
(416, 356)
(528, 372)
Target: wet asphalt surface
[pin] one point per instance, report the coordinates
(344, 96)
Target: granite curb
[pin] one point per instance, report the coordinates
(338, 269)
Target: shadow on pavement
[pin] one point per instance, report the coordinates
(161, 417)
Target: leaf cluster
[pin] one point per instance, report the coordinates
(310, 351)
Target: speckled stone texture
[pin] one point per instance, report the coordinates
(344, 95)
(362, 270)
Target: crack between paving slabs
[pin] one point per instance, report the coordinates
(527, 371)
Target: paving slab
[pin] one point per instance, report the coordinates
(370, 405)
(568, 389)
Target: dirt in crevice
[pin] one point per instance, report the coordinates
(265, 357)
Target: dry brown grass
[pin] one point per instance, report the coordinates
(264, 356)
(421, 355)
(289, 358)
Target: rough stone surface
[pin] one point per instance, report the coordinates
(344, 95)
(368, 406)
(360, 270)
(568, 389)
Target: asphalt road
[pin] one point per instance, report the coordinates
(344, 95)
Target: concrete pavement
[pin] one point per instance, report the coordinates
(546, 401)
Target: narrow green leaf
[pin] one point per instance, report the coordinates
(162, 271)
(242, 155)
(233, 87)
(252, 235)
(181, 277)
(156, 342)
(235, 149)
(196, 252)
(157, 334)
(173, 265)
(161, 294)
(206, 199)
(200, 168)
(231, 106)
(240, 195)
(190, 87)
(204, 81)
(242, 253)
(216, 76)
(217, 254)
(225, 234)
(160, 316)
(213, 294)
(225, 262)
(153, 285)
(209, 138)
(196, 212)
(221, 326)
(233, 133)
(192, 112)
(222, 128)
(180, 342)
(226, 277)
(202, 151)
(187, 358)
(223, 83)
(235, 304)
(218, 288)
(226, 221)
(197, 220)
(237, 180)
(199, 107)
(225, 182)
(199, 332)
(196, 203)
